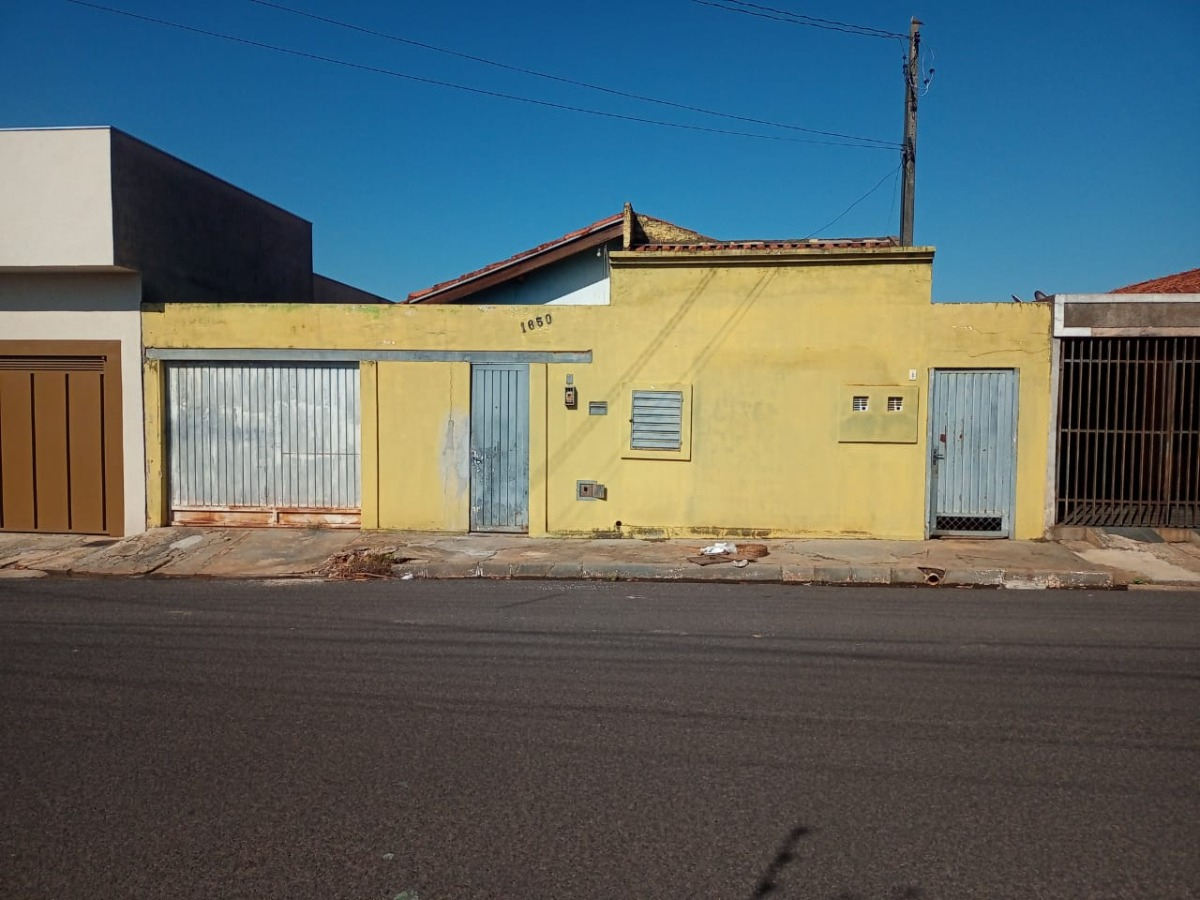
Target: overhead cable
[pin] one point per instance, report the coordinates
(571, 81)
(843, 213)
(783, 15)
(363, 67)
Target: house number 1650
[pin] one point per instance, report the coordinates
(537, 322)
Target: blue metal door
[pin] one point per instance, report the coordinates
(973, 452)
(500, 447)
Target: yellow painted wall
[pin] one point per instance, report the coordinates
(157, 514)
(368, 398)
(767, 349)
(1007, 335)
(424, 435)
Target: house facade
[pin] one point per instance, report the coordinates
(631, 378)
(95, 227)
(1126, 437)
(167, 356)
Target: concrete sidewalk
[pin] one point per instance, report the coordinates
(283, 553)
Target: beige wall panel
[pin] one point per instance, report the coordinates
(57, 198)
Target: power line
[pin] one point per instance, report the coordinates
(928, 70)
(895, 184)
(571, 81)
(467, 88)
(842, 214)
(782, 15)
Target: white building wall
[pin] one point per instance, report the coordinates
(591, 295)
(578, 280)
(89, 307)
(56, 197)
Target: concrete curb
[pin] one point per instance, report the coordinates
(1082, 580)
(828, 576)
(271, 554)
(821, 574)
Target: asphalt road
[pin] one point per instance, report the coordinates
(576, 740)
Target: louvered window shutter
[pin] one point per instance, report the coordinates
(657, 420)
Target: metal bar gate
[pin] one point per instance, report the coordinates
(1129, 432)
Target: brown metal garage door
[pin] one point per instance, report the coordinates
(60, 429)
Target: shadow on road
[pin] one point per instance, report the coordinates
(786, 855)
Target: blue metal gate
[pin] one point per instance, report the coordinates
(973, 451)
(500, 447)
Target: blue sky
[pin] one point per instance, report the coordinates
(1059, 143)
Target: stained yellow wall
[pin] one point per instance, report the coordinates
(368, 441)
(424, 439)
(767, 349)
(155, 422)
(1007, 335)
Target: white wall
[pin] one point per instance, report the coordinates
(591, 295)
(56, 197)
(89, 307)
(578, 280)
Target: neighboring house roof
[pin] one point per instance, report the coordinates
(522, 263)
(637, 232)
(1179, 283)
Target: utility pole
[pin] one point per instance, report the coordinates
(908, 190)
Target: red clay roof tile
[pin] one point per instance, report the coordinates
(1180, 283)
